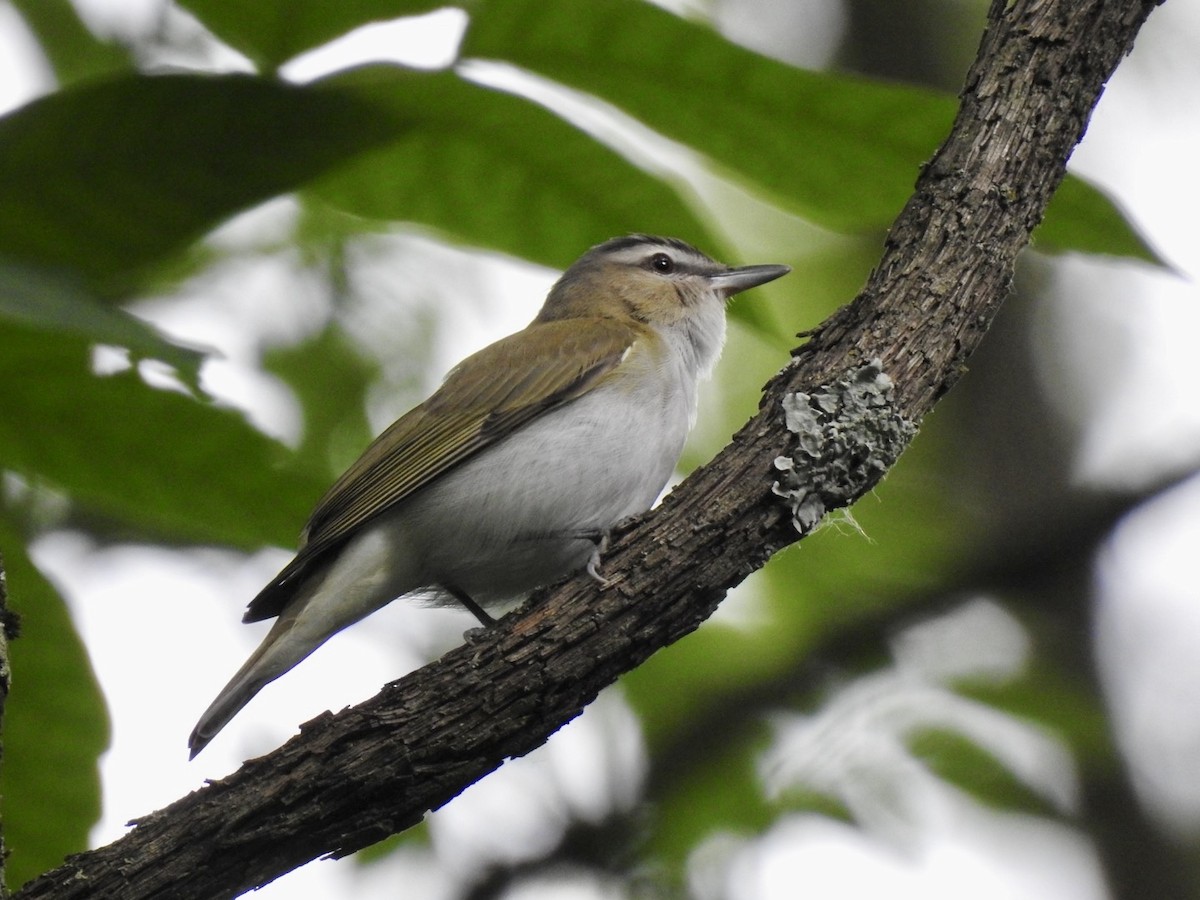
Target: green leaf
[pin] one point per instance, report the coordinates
(51, 302)
(1060, 703)
(687, 681)
(330, 378)
(720, 794)
(155, 459)
(55, 725)
(495, 170)
(841, 151)
(1082, 218)
(413, 836)
(72, 49)
(107, 178)
(271, 32)
(962, 762)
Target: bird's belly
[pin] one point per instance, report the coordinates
(519, 515)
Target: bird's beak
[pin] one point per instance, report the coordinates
(733, 281)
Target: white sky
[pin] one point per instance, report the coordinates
(1131, 384)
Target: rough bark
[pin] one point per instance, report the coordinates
(352, 779)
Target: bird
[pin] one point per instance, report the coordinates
(514, 471)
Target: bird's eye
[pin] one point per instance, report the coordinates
(662, 263)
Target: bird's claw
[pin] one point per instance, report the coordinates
(471, 635)
(600, 539)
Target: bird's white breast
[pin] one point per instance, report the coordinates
(511, 518)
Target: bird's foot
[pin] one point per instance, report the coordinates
(471, 635)
(600, 539)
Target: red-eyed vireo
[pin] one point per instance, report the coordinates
(510, 475)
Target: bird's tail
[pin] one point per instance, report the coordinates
(274, 656)
(372, 569)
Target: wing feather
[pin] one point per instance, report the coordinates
(532, 373)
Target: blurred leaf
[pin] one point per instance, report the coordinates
(962, 762)
(110, 178)
(271, 32)
(720, 795)
(72, 49)
(1082, 218)
(332, 393)
(842, 151)
(156, 459)
(495, 170)
(413, 836)
(1050, 698)
(51, 302)
(680, 684)
(55, 725)
(107, 178)
(801, 799)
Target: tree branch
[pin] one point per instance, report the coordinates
(350, 780)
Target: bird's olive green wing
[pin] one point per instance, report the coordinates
(523, 376)
(483, 400)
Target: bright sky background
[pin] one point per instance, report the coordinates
(1129, 385)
